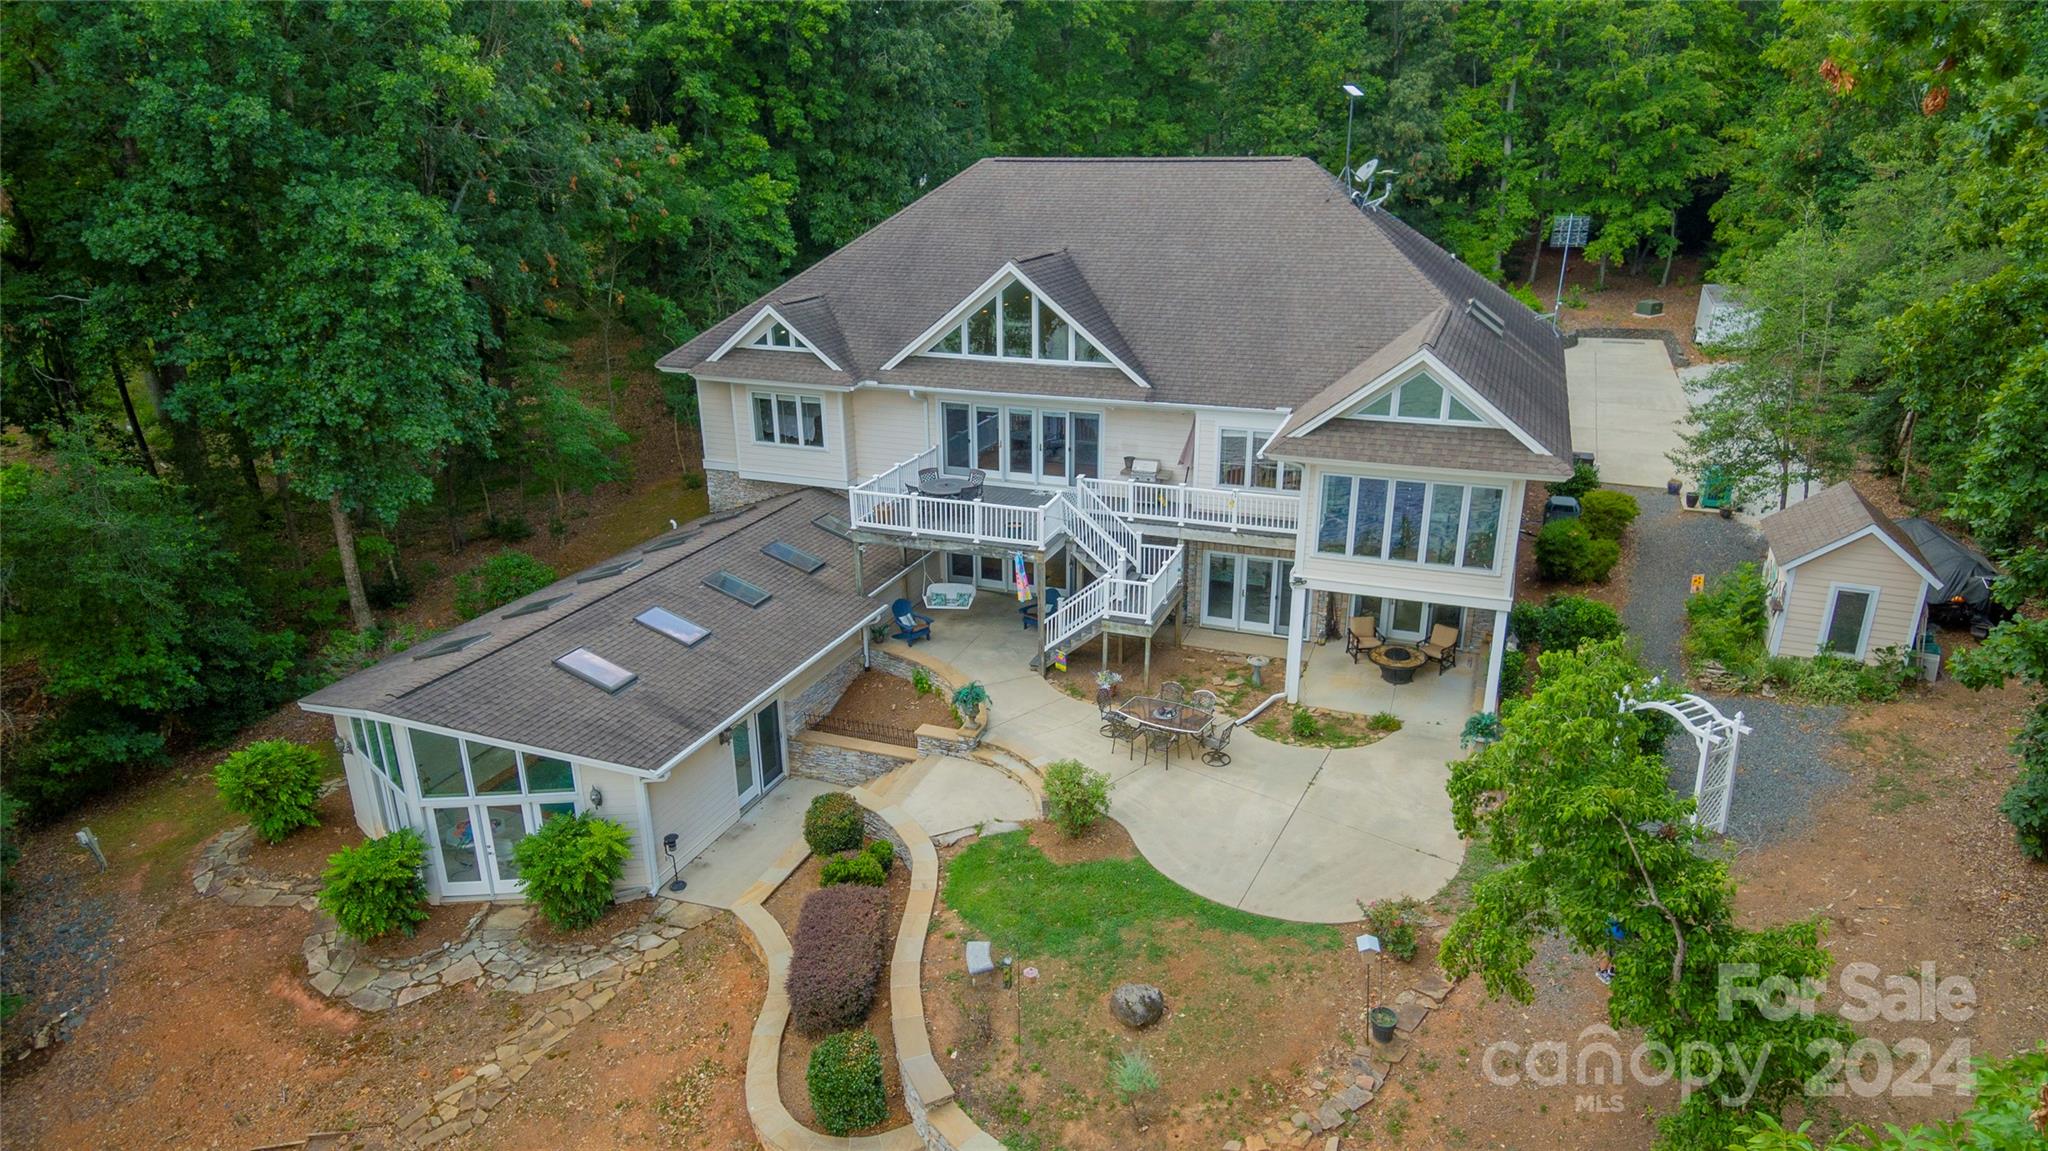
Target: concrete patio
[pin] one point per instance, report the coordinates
(1293, 832)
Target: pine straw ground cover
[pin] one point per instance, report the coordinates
(1248, 999)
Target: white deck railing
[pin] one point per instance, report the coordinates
(1216, 509)
(888, 502)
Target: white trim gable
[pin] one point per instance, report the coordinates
(994, 284)
(1423, 359)
(1389, 389)
(1852, 537)
(750, 330)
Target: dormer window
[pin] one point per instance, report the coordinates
(1420, 399)
(1015, 324)
(779, 336)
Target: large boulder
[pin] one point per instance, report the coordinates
(1137, 1004)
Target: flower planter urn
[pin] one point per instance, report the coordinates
(1692, 499)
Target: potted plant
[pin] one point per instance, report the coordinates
(1105, 687)
(1671, 487)
(1692, 499)
(1383, 1020)
(969, 702)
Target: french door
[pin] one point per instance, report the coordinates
(1247, 593)
(474, 843)
(757, 754)
(1410, 619)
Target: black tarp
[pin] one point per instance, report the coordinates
(1963, 573)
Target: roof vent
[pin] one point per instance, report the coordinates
(595, 670)
(1485, 315)
(452, 645)
(737, 588)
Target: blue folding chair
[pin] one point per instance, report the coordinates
(1028, 610)
(911, 626)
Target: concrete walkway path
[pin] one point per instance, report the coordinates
(1293, 832)
(724, 871)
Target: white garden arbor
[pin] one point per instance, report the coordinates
(1719, 740)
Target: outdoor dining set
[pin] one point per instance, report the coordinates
(1173, 716)
(930, 482)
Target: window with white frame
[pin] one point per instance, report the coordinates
(1029, 444)
(789, 420)
(1238, 464)
(1850, 611)
(1410, 521)
(374, 742)
(777, 336)
(451, 768)
(1014, 324)
(1419, 399)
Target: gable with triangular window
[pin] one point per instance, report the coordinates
(1420, 398)
(771, 331)
(1012, 319)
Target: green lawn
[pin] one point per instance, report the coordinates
(1097, 912)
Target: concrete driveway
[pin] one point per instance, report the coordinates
(1292, 832)
(1627, 408)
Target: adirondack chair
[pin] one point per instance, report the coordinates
(911, 625)
(1028, 610)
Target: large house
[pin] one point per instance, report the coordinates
(1218, 392)
(1219, 387)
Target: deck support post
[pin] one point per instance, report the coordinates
(1299, 614)
(1148, 663)
(1495, 655)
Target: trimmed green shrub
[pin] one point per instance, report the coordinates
(884, 853)
(275, 783)
(570, 865)
(1394, 921)
(845, 1081)
(852, 867)
(499, 580)
(836, 958)
(1514, 674)
(1303, 724)
(1383, 721)
(1525, 620)
(1567, 553)
(1607, 514)
(1570, 620)
(376, 887)
(1585, 477)
(832, 824)
(1075, 797)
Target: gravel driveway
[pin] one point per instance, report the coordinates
(1783, 768)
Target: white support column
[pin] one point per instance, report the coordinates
(1500, 646)
(1299, 617)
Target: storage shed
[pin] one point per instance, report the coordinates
(1843, 578)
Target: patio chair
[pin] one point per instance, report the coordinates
(1215, 738)
(1204, 699)
(1161, 741)
(1173, 691)
(975, 479)
(1028, 610)
(1441, 646)
(925, 476)
(911, 625)
(979, 959)
(1119, 728)
(1362, 636)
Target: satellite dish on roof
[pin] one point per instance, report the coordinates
(1365, 175)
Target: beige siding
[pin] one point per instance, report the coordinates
(697, 802)
(1425, 582)
(788, 463)
(888, 428)
(1208, 424)
(715, 414)
(622, 806)
(1146, 434)
(1866, 563)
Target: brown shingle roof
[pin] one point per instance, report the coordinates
(1827, 517)
(507, 687)
(1240, 282)
(1424, 446)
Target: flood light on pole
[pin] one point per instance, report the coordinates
(1351, 94)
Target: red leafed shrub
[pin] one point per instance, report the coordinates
(841, 944)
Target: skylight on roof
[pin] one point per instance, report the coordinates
(837, 525)
(536, 605)
(672, 625)
(737, 588)
(1485, 315)
(595, 670)
(610, 569)
(794, 556)
(451, 645)
(670, 542)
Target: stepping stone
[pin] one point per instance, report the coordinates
(1352, 1098)
(1328, 1117)
(1434, 986)
(1301, 1119)
(1394, 1050)
(1409, 1016)
(1256, 1143)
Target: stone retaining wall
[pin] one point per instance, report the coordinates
(842, 760)
(822, 696)
(933, 740)
(727, 490)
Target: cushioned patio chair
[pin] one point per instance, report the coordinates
(1441, 646)
(1028, 610)
(911, 625)
(1361, 636)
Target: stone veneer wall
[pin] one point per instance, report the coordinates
(846, 762)
(822, 696)
(727, 489)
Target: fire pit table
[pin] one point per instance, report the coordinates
(1397, 662)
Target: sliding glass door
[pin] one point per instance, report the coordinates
(1021, 445)
(1247, 593)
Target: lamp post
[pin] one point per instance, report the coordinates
(1351, 94)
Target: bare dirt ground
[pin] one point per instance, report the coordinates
(1587, 305)
(887, 702)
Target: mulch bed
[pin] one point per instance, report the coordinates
(878, 699)
(621, 916)
(1107, 839)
